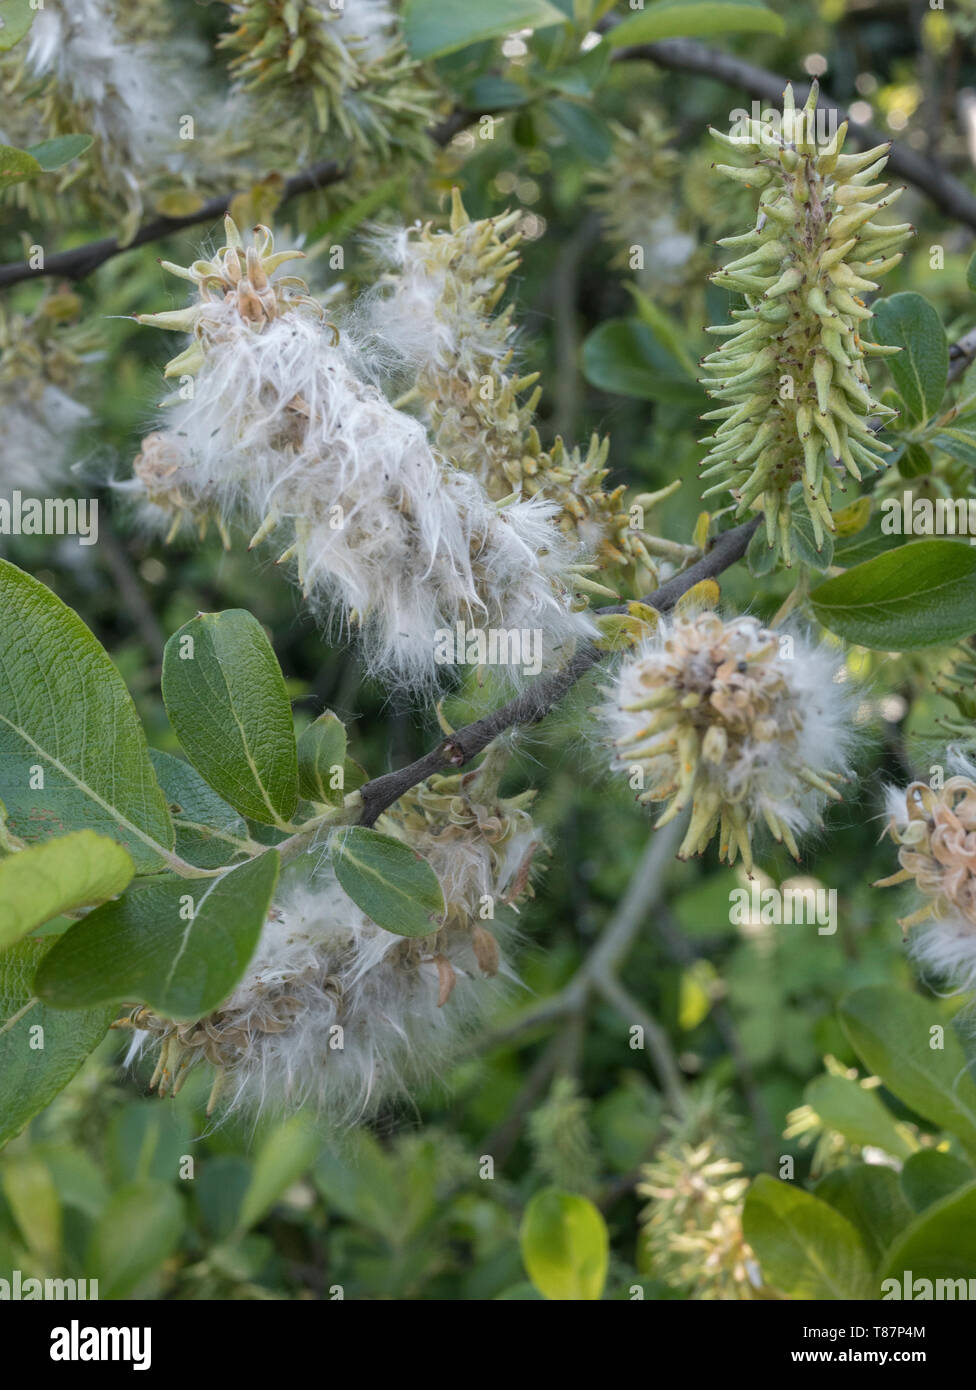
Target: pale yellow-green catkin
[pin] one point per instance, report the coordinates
(794, 402)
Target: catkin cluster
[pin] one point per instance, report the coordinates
(277, 427)
(745, 725)
(338, 1012)
(43, 361)
(343, 66)
(438, 308)
(121, 73)
(935, 831)
(795, 403)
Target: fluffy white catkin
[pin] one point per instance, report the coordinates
(935, 830)
(746, 725)
(281, 433)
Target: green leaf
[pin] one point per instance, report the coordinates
(42, 1050)
(67, 718)
(56, 153)
(857, 1114)
(870, 1196)
(434, 27)
(670, 19)
(34, 1203)
(287, 1152)
(226, 699)
(565, 1247)
(891, 1031)
(179, 945)
(971, 273)
(139, 1229)
(321, 760)
(360, 1182)
(16, 166)
(930, 1176)
(219, 1191)
(76, 870)
(866, 543)
(146, 1140)
(939, 1244)
(914, 462)
(670, 334)
(209, 833)
(588, 135)
(958, 443)
(920, 595)
(910, 322)
(393, 885)
(807, 1250)
(623, 357)
(804, 542)
(16, 18)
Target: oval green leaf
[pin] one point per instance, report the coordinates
(140, 1228)
(910, 322)
(16, 166)
(807, 1250)
(870, 1197)
(931, 1176)
(321, 760)
(73, 754)
(40, 1048)
(624, 357)
(858, 1114)
(16, 18)
(209, 833)
(670, 19)
(434, 27)
(393, 885)
(56, 153)
(892, 1031)
(565, 1247)
(939, 1244)
(920, 595)
(179, 945)
(41, 882)
(226, 699)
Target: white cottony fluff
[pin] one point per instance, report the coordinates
(131, 94)
(424, 313)
(747, 725)
(36, 436)
(283, 434)
(336, 1012)
(367, 27)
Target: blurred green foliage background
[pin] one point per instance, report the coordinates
(277, 1208)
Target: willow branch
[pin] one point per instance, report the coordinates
(679, 55)
(541, 697)
(686, 55)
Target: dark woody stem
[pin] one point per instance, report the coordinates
(680, 55)
(544, 694)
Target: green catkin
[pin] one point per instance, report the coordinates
(792, 372)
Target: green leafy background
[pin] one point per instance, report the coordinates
(157, 1202)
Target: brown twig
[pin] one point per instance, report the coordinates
(680, 55)
(541, 697)
(687, 55)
